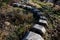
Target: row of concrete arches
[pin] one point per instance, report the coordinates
(38, 29)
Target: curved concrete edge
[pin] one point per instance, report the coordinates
(43, 22)
(40, 27)
(33, 36)
(43, 17)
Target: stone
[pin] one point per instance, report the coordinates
(7, 23)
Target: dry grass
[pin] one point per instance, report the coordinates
(14, 22)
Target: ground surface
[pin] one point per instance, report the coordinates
(14, 22)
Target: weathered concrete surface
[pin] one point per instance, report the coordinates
(43, 22)
(39, 29)
(33, 36)
(43, 17)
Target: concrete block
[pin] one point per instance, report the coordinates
(38, 29)
(43, 22)
(33, 36)
(43, 17)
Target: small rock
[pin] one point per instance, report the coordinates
(7, 23)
